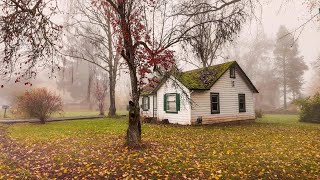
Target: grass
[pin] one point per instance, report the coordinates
(275, 147)
(66, 114)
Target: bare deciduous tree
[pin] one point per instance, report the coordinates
(100, 94)
(207, 39)
(90, 26)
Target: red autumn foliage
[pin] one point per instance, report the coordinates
(132, 33)
(38, 103)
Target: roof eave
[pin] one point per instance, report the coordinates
(199, 89)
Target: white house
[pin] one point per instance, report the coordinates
(219, 93)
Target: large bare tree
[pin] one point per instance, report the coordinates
(92, 27)
(207, 39)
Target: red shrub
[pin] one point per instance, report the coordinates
(38, 103)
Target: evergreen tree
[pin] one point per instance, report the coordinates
(289, 64)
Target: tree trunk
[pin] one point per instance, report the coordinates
(112, 107)
(90, 80)
(284, 84)
(128, 53)
(134, 129)
(42, 120)
(101, 108)
(113, 63)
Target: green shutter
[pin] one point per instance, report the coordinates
(165, 102)
(148, 102)
(178, 102)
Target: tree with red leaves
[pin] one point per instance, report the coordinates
(137, 49)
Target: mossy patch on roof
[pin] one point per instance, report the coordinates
(203, 78)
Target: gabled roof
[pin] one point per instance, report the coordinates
(202, 78)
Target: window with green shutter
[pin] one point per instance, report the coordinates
(172, 103)
(165, 102)
(178, 101)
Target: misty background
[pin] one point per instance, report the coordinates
(253, 48)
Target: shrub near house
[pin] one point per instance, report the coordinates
(38, 103)
(310, 108)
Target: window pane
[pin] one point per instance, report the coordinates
(215, 103)
(232, 72)
(171, 97)
(241, 100)
(145, 103)
(171, 106)
(241, 106)
(215, 107)
(171, 103)
(214, 98)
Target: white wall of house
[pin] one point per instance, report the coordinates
(184, 115)
(229, 104)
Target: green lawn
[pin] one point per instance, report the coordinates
(66, 114)
(275, 147)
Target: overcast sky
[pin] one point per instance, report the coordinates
(291, 15)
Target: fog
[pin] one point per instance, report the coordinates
(269, 19)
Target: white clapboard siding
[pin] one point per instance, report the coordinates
(184, 115)
(148, 113)
(229, 105)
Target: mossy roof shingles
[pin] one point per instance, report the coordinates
(199, 79)
(203, 78)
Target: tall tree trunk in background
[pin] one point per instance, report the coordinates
(284, 83)
(113, 68)
(289, 64)
(112, 92)
(90, 79)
